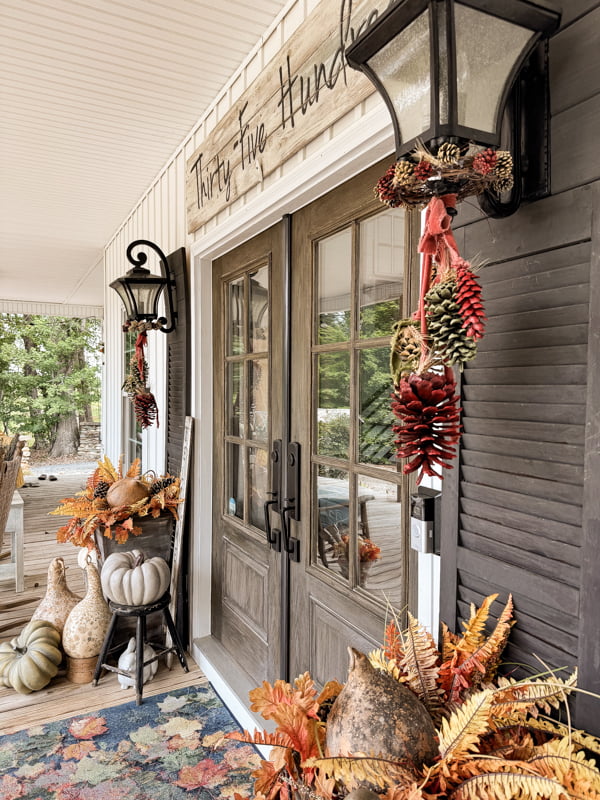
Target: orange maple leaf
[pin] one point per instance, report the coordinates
(78, 751)
(204, 773)
(87, 727)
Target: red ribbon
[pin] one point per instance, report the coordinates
(140, 343)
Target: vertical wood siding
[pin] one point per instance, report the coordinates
(520, 506)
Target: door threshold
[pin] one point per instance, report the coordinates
(230, 681)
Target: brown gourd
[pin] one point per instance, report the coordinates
(59, 600)
(30, 660)
(376, 715)
(126, 492)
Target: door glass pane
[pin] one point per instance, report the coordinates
(235, 336)
(381, 271)
(259, 310)
(333, 412)
(234, 505)
(376, 440)
(235, 399)
(259, 475)
(380, 539)
(334, 267)
(259, 399)
(333, 522)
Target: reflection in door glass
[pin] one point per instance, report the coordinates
(333, 523)
(334, 263)
(259, 399)
(381, 272)
(376, 440)
(333, 407)
(259, 310)
(259, 477)
(235, 338)
(380, 565)
(234, 496)
(235, 398)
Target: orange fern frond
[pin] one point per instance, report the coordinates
(526, 696)
(106, 471)
(134, 470)
(392, 642)
(473, 634)
(353, 771)
(449, 642)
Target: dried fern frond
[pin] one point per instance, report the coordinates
(528, 695)
(509, 786)
(571, 768)
(473, 634)
(449, 642)
(135, 470)
(461, 732)
(556, 728)
(421, 666)
(353, 771)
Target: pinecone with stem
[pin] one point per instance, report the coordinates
(468, 297)
(146, 409)
(405, 349)
(429, 426)
(503, 184)
(445, 324)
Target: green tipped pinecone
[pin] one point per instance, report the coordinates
(403, 173)
(101, 489)
(159, 485)
(448, 153)
(445, 325)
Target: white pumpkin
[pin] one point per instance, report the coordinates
(131, 580)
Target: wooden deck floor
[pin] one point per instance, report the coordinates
(61, 698)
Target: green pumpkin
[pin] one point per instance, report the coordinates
(31, 660)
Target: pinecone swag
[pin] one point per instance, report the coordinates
(429, 426)
(445, 325)
(468, 298)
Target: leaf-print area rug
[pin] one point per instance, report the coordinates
(169, 748)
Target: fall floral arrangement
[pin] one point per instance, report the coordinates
(111, 500)
(367, 549)
(493, 737)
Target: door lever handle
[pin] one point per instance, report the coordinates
(291, 544)
(273, 534)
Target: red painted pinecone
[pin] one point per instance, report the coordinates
(429, 426)
(146, 410)
(468, 298)
(385, 189)
(485, 161)
(423, 170)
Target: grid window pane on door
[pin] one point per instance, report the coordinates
(132, 432)
(358, 488)
(247, 396)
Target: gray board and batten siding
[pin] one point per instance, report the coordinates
(521, 509)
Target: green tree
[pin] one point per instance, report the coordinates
(49, 377)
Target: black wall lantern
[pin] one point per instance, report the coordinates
(445, 68)
(140, 289)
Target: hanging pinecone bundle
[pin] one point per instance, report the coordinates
(405, 349)
(445, 325)
(468, 298)
(429, 426)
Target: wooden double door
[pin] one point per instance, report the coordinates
(311, 509)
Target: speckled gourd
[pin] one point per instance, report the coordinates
(377, 715)
(59, 600)
(30, 660)
(86, 625)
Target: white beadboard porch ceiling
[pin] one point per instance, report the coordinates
(96, 95)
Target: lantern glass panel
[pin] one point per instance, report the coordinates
(126, 298)
(146, 296)
(487, 49)
(403, 67)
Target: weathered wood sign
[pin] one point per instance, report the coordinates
(299, 94)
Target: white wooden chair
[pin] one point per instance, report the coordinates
(11, 521)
